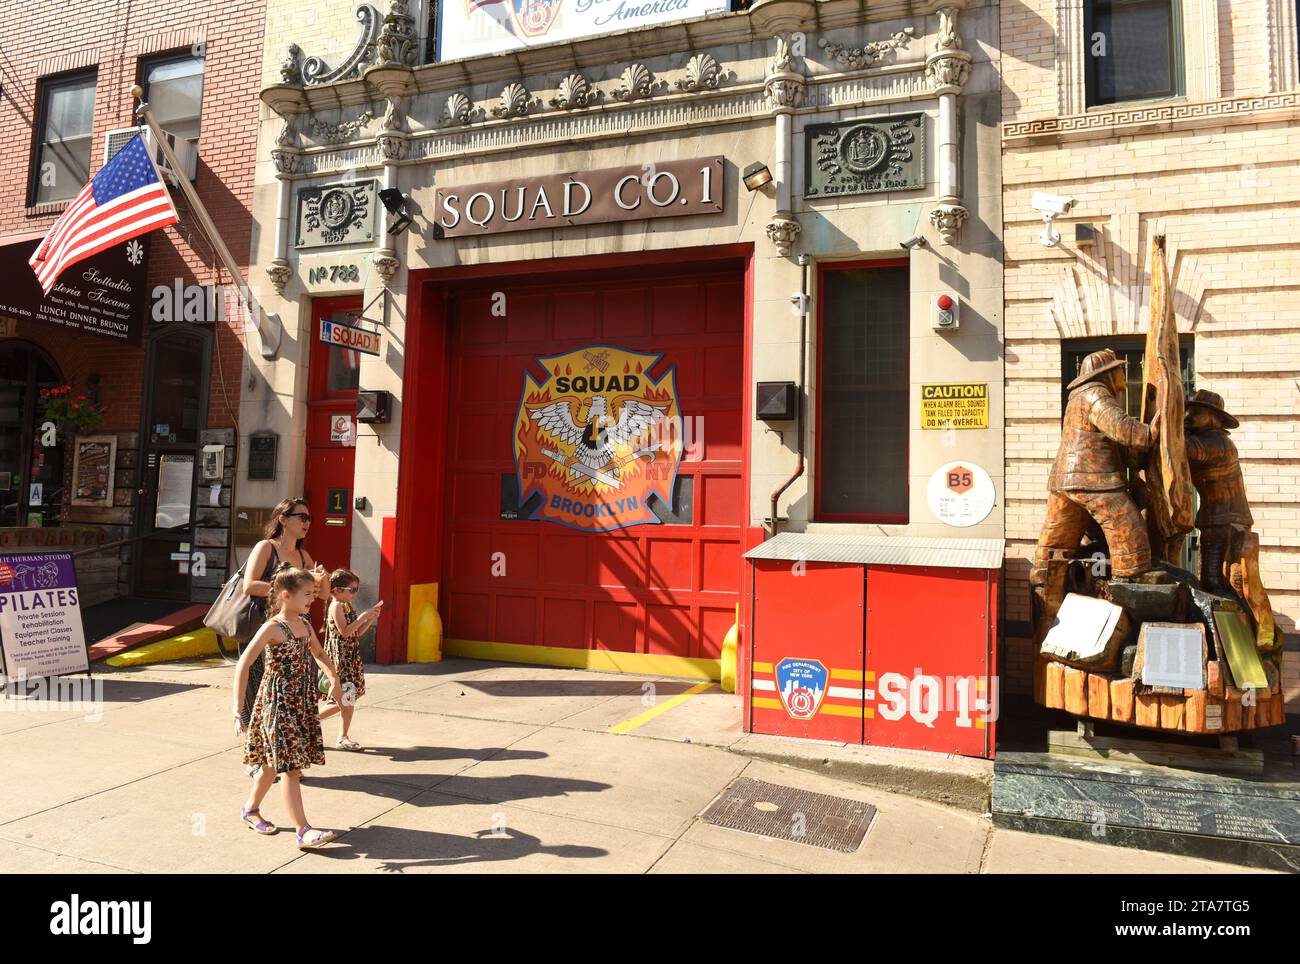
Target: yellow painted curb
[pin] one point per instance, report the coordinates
(201, 642)
(644, 664)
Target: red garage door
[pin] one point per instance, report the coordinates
(667, 588)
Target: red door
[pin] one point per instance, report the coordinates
(331, 438)
(668, 588)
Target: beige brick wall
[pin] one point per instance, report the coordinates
(1226, 192)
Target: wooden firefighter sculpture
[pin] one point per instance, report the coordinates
(1088, 477)
(1229, 546)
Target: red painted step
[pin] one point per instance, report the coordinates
(137, 634)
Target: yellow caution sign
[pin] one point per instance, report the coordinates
(955, 405)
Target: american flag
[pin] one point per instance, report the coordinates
(125, 199)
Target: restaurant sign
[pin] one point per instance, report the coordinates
(633, 193)
(104, 295)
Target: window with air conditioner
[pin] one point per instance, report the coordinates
(1134, 50)
(63, 130)
(173, 88)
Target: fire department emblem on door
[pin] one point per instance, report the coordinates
(598, 437)
(801, 684)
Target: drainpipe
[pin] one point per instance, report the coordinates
(801, 300)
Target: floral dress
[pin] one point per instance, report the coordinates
(284, 729)
(346, 656)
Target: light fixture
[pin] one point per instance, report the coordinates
(756, 175)
(396, 202)
(915, 241)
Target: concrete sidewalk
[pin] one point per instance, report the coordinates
(469, 766)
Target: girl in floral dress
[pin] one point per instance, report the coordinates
(283, 733)
(343, 629)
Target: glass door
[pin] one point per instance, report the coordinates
(31, 472)
(175, 412)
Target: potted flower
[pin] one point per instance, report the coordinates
(72, 412)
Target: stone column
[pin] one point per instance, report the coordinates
(948, 69)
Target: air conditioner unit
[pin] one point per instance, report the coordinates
(185, 153)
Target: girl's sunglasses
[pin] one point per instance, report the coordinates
(304, 516)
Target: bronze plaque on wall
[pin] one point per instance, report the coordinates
(865, 156)
(637, 192)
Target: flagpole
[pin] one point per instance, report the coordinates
(269, 328)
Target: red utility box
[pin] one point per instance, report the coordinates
(885, 642)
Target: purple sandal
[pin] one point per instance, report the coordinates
(318, 837)
(264, 827)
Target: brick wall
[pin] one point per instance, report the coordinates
(50, 38)
(1225, 189)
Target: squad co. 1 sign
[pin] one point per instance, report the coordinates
(634, 193)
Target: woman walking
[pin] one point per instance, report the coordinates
(283, 735)
(282, 548)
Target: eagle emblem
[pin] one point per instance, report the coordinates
(598, 438)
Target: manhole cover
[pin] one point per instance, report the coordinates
(785, 813)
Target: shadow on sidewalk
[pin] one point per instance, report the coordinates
(400, 848)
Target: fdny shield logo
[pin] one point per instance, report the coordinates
(535, 17)
(801, 684)
(598, 437)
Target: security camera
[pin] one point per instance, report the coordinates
(1050, 206)
(915, 241)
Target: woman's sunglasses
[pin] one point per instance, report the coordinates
(304, 516)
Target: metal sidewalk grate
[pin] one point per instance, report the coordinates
(786, 813)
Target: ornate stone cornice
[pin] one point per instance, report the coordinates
(1156, 118)
(868, 55)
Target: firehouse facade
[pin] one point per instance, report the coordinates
(582, 344)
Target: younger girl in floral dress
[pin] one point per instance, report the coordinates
(283, 734)
(343, 630)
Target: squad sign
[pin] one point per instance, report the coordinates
(345, 336)
(597, 438)
(640, 192)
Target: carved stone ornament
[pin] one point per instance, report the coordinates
(574, 92)
(315, 71)
(515, 101)
(392, 146)
(856, 58)
(702, 73)
(636, 83)
(386, 265)
(288, 136)
(948, 67)
(342, 132)
(948, 220)
(948, 39)
(291, 66)
(784, 84)
(279, 272)
(459, 109)
(286, 162)
(782, 61)
(398, 43)
(783, 231)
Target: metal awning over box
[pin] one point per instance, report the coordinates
(882, 550)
